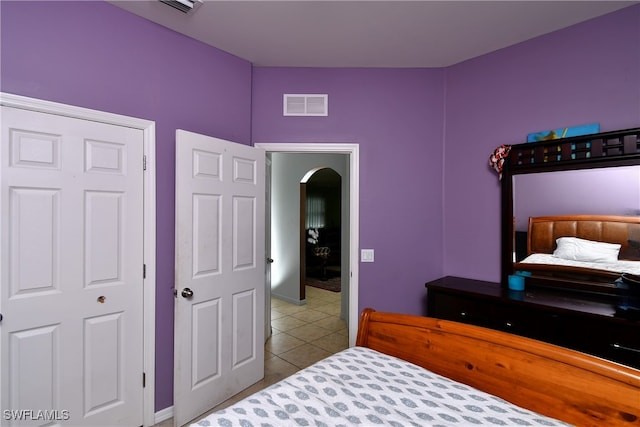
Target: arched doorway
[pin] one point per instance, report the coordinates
(320, 230)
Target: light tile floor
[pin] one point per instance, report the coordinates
(301, 335)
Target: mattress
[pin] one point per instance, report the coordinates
(620, 266)
(360, 386)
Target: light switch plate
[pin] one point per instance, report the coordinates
(366, 255)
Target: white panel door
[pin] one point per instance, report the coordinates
(220, 272)
(71, 249)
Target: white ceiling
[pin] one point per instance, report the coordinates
(358, 33)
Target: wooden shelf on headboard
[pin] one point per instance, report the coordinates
(586, 148)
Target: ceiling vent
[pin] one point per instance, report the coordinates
(306, 105)
(184, 6)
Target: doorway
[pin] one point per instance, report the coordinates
(349, 269)
(321, 230)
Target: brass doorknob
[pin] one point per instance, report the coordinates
(187, 293)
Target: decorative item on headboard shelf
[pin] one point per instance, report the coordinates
(564, 132)
(496, 159)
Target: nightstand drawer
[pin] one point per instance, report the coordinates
(461, 309)
(537, 324)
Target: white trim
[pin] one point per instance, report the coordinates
(163, 414)
(149, 302)
(353, 150)
(149, 322)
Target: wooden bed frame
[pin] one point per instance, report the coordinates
(543, 232)
(554, 381)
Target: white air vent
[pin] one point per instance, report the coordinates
(184, 6)
(306, 105)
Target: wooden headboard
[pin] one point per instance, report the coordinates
(625, 230)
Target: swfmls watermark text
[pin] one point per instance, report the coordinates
(36, 415)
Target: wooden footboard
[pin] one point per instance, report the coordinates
(561, 383)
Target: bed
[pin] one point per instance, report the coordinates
(591, 242)
(420, 371)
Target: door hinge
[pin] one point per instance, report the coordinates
(144, 271)
(144, 380)
(144, 163)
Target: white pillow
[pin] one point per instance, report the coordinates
(577, 249)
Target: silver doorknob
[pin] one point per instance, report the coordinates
(187, 293)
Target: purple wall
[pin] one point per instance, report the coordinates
(395, 116)
(95, 55)
(588, 73)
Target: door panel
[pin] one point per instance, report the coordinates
(103, 237)
(34, 240)
(206, 234)
(71, 250)
(206, 342)
(103, 376)
(244, 219)
(36, 350)
(220, 272)
(244, 327)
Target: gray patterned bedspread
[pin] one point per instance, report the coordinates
(362, 387)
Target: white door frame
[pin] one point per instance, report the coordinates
(148, 129)
(354, 202)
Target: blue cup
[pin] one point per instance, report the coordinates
(516, 282)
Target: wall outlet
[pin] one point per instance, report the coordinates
(366, 255)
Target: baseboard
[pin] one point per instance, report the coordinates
(163, 414)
